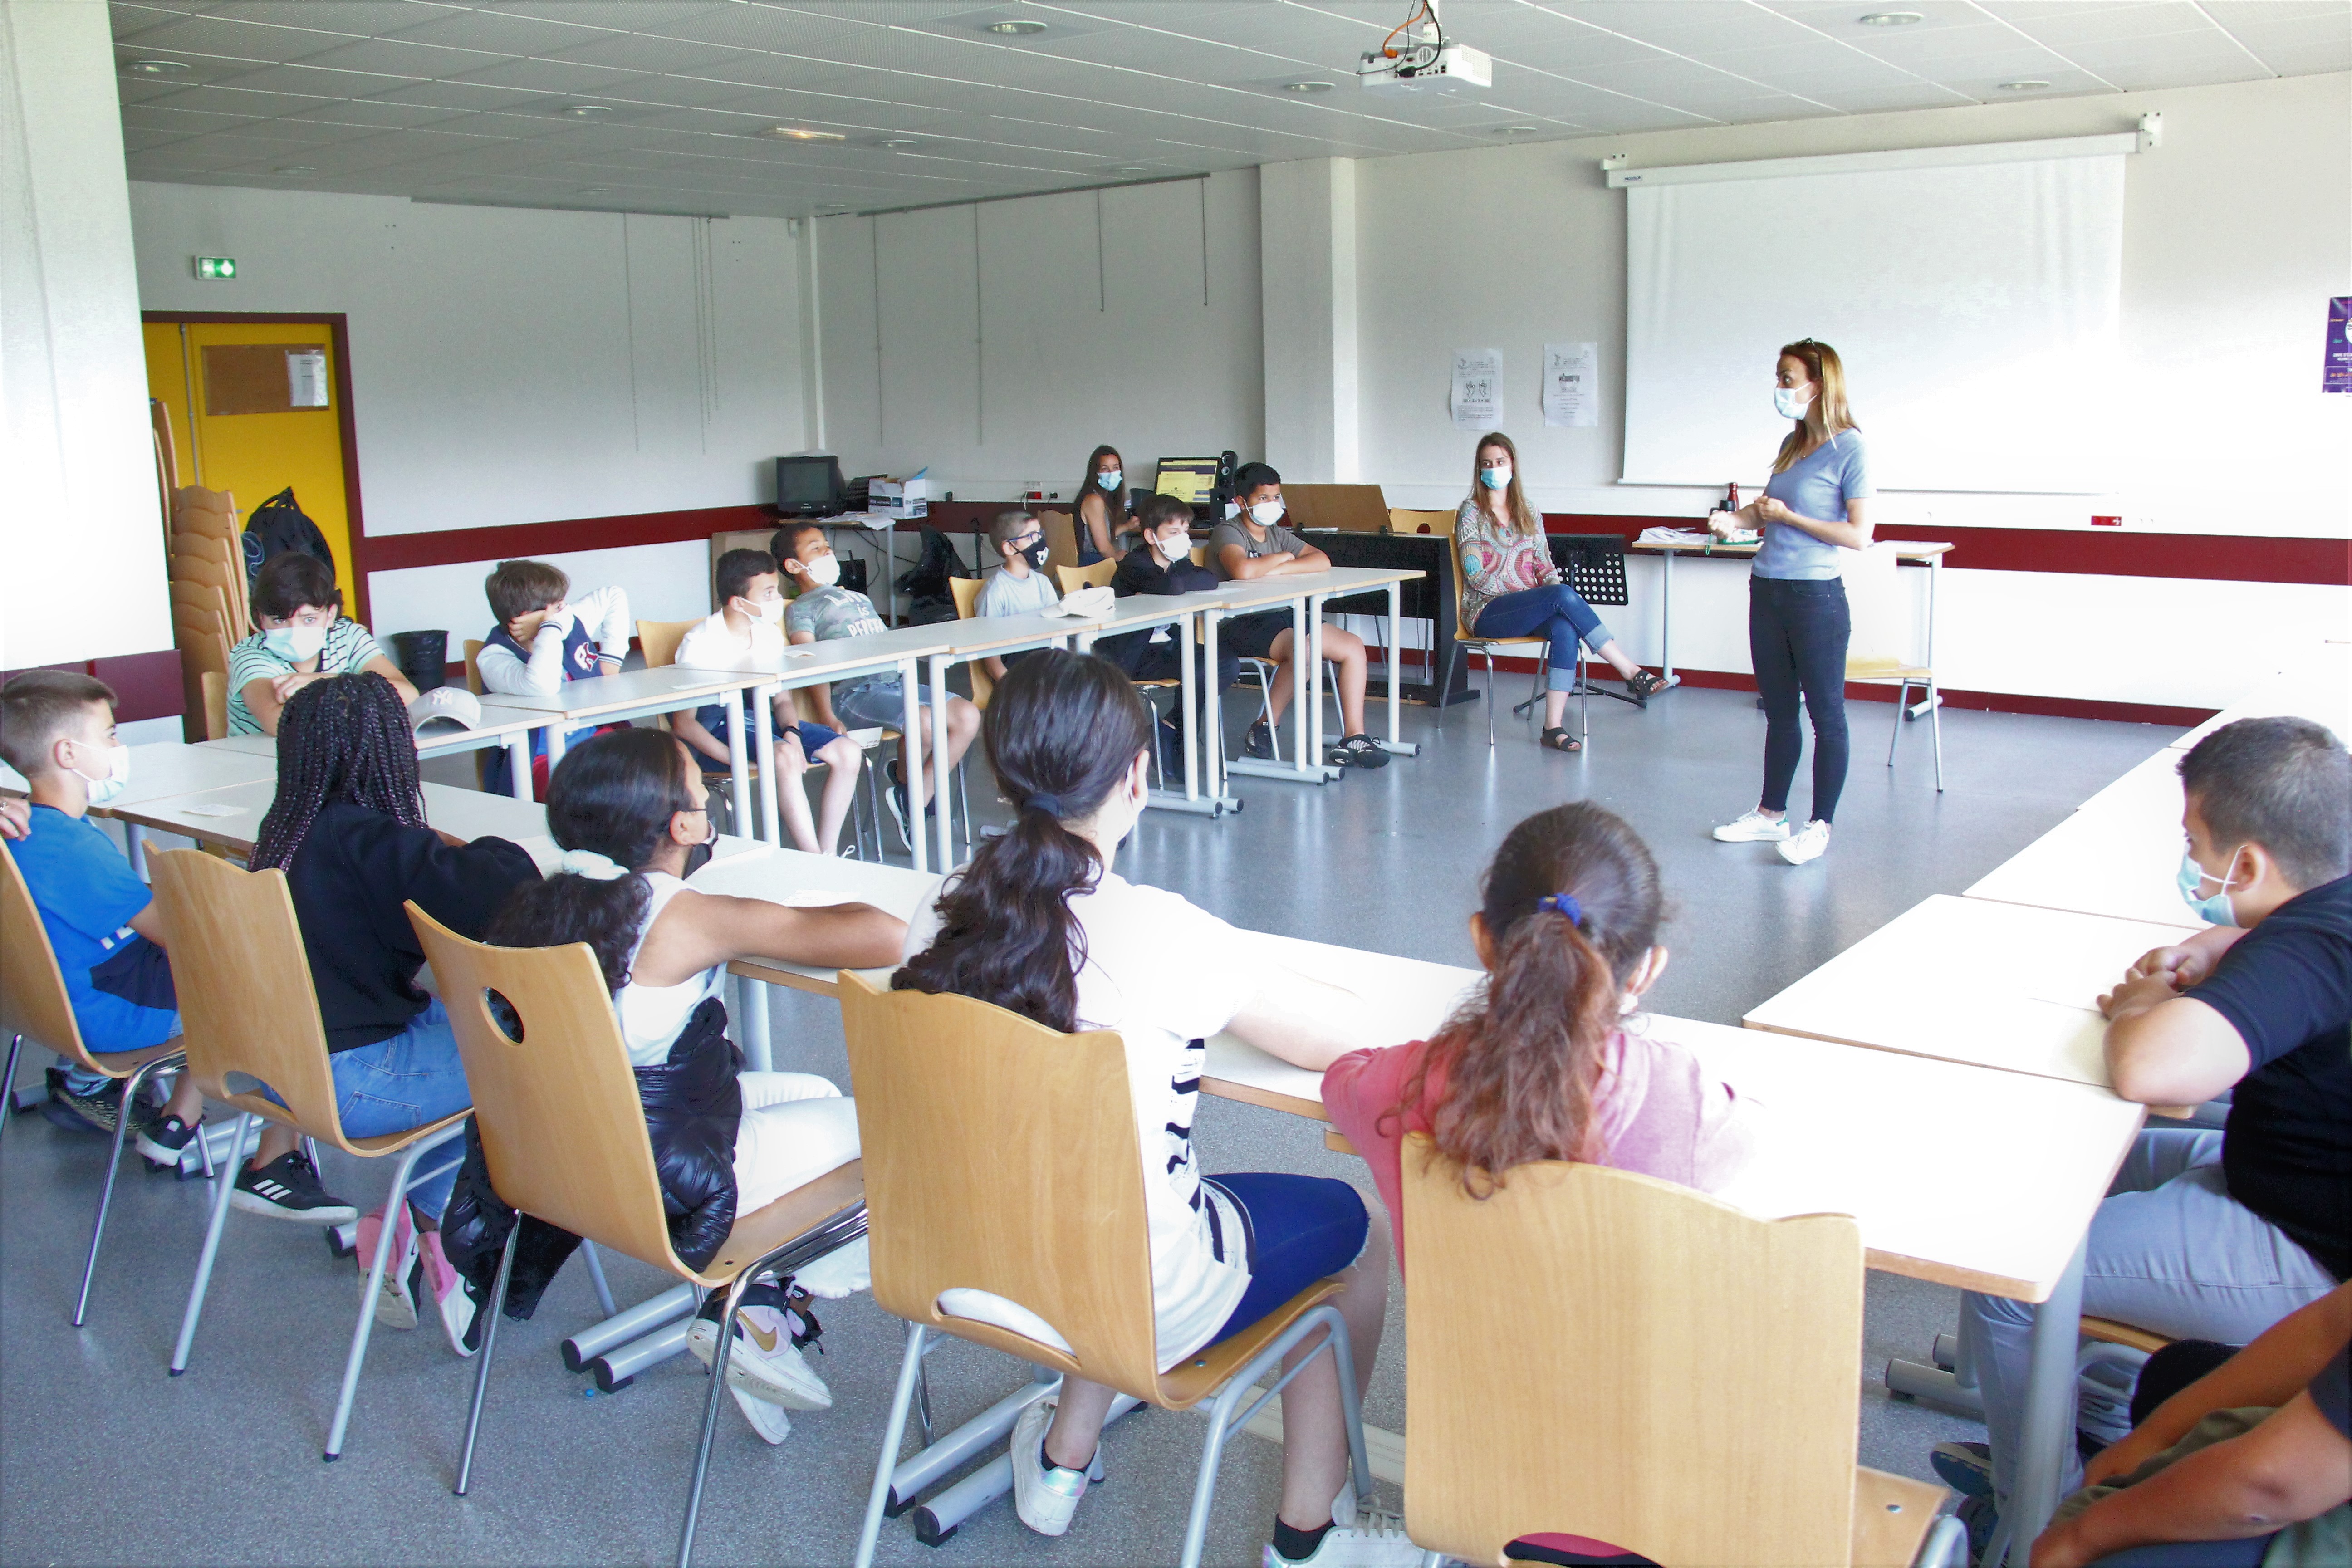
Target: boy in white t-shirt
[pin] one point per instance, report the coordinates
(748, 634)
(1021, 588)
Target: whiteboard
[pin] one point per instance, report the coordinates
(1975, 308)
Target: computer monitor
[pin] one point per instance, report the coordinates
(808, 485)
(1189, 480)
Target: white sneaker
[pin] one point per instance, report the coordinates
(768, 1420)
(1809, 844)
(764, 1363)
(1374, 1540)
(1754, 828)
(839, 1273)
(1044, 1497)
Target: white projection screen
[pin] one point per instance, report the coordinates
(1975, 307)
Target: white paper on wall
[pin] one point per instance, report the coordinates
(1572, 385)
(306, 378)
(1478, 389)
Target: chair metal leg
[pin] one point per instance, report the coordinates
(223, 1185)
(893, 1432)
(1224, 1418)
(130, 1087)
(1901, 701)
(735, 1290)
(596, 1277)
(366, 1324)
(490, 1349)
(1936, 730)
(1488, 654)
(1583, 698)
(8, 1081)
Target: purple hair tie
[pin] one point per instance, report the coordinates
(1562, 904)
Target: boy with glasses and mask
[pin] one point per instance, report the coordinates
(304, 637)
(1022, 587)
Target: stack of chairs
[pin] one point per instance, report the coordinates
(210, 612)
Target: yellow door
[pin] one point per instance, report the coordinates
(253, 409)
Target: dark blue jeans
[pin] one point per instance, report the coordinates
(1797, 636)
(1556, 611)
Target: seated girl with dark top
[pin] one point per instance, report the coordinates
(629, 810)
(1101, 506)
(1161, 563)
(348, 829)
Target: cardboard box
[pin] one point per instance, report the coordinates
(908, 497)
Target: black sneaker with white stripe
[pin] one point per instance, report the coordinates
(288, 1188)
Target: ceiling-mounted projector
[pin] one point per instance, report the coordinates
(1419, 57)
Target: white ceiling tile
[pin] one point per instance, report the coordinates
(129, 18)
(395, 56)
(312, 81)
(1691, 26)
(2177, 60)
(2063, 25)
(243, 40)
(360, 18)
(466, 96)
(561, 77)
(498, 32)
(637, 52)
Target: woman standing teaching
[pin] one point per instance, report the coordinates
(1798, 622)
(1101, 506)
(1511, 589)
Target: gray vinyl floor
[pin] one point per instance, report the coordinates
(105, 1460)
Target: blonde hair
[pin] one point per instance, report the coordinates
(1523, 516)
(1827, 413)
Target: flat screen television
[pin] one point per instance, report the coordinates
(808, 485)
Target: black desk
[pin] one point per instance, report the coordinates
(1429, 597)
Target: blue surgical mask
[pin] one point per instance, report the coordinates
(1109, 478)
(1494, 479)
(295, 644)
(1789, 403)
(2215, 910)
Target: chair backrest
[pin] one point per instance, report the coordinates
(1200, 555)
(966, 591)
(1001, 1156)
(1061, 538)
(562, 1129)
(1604, 1353)
(1402, 519)
(243, 983)
(214, 684)
(474, 646)
(1880, 641)
(660, 639)
(1073, 578)
(33, 1000)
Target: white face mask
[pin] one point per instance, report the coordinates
(1174, 549)
(1266, 514)
(1789, 403)
(1232, 509)
(825, 571)
(769, 610)
(296, 644)
(1110, 479)
(113, 782)
(1495, 478)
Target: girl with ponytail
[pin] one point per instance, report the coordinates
(1540, 1065)
(1038, 923)
(629, 809)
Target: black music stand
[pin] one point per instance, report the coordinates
(1594, 565)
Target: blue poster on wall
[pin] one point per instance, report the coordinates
(2336, 371)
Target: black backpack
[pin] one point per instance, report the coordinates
(277, 526)
(925, 584)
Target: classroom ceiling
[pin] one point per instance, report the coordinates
(682, 105)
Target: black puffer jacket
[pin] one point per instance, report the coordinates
(693, 1105)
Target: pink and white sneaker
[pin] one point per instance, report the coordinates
(396, 1302)
(450, 1292)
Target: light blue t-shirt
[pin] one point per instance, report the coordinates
(1817, 485)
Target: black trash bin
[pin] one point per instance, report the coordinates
(423, 656)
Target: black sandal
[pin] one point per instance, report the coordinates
(1645, 685)
(1558, 740)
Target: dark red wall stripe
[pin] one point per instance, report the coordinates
(146, 685)
(2209, 557)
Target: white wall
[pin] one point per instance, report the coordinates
(513, 366)
(1012, 339)
(73, 380)
(1308, 233)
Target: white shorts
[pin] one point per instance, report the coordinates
(796, 1126)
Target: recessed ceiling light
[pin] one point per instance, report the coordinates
(1889, 18)
(1018, 27)
(2023, 86)
(1307, 87)
(1130, 169)
(800, 133)
(155, 68)
(587, 111)
(294, 169)
(1516, 130)
(899, 143)
(597, 191)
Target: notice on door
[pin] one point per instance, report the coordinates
(264, 378)
(306, 378)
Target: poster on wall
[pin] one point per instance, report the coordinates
(2336, 368)
(1572, 385)
(1478, 389)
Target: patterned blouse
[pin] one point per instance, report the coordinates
(1497, 558)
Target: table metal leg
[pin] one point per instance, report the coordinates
(2048, 1429)
(1188, 692)
(1396, 742)
(554, 733)
(739, 767)
(518, 765)
(910, 725)
(762, 703)
(754, 1031)
(940, 663)
(1666, 610)
(1929, 703)
(1314, 678)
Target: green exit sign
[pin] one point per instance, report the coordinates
(216, 268)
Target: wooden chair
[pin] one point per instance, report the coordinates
(252, 1020)
(967, 599)
(1404, 520)
(34, 1005)
(474, 646)
(1655, 1369)
(563, 1134)
(215, 685)
(1061, 538)
(1070, 579)
(947, 1085)
(1486, 647)
(1882, 622)
(660, 639)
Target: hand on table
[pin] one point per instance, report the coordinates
(2183, 966)
(2136, 994)
(284, 687)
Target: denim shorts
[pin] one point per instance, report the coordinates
(878, 702)
(1301, 1229)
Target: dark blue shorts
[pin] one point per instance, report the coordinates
(1301, 1229)
(813, 737)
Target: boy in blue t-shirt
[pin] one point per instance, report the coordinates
(56, 728)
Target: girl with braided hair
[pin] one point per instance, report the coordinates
(1039, 924)
(348, 829)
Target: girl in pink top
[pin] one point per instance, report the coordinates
(1542, 1065)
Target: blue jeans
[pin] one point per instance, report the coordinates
(1797, 634)
(1301, 1229)
(1558, 612)
(2169, 1251)
(413, 1077)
